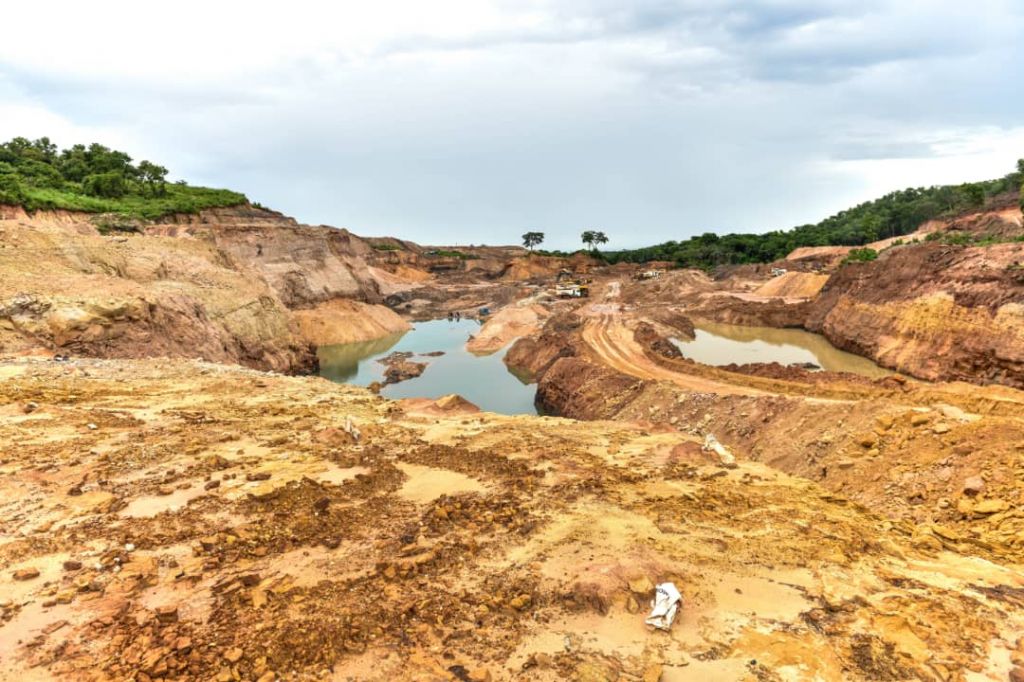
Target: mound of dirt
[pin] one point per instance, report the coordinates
(792, 285)
(347, 321)
(505, 326)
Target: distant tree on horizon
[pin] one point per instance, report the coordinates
(532, 239)
(592, 237)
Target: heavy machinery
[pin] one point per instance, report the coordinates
(568, 285)
(572, 290)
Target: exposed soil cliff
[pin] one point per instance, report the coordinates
(304, 265)
(346, 321)
(65, 288)
(232, 285)
(932, 311)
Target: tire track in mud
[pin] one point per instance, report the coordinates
(612, 342)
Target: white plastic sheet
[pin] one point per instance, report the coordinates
(711, 444)
(667, 601)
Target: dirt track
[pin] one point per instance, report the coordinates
(612, 343)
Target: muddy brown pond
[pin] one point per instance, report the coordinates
(724, 344)
(484, 380)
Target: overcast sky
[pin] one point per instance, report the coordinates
(470, 122)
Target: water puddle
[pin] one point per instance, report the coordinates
(335, 475)
(757, 597)
(151, 505)
(485, 381)
(426, 484)
(724, 344)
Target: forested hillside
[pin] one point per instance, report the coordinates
(37, 175)
(893, 215)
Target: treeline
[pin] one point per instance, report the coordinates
(37, 175)
(893, 215)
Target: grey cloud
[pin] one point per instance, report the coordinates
(652, 120)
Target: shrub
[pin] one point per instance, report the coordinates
(861, 256)
(110, 185)
(11, 190)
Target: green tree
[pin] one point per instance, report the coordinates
(532, 239)
(973, 193)
(588, 238)
(73, 163)
(154, 176)
(11, 190)
(39, 173)
(102, 159)
(592, 237)
(110, 185)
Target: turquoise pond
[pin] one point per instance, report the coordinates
(484, 380)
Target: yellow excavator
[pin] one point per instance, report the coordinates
(568, 285)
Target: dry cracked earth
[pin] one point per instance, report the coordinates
(172, 519)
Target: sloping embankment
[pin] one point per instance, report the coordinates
(933, 311)
(226, 285)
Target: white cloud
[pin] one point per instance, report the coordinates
(949, 157)
(472, 120)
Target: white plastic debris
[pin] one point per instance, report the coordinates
(664, 606)
(351, 428)
(726, 458)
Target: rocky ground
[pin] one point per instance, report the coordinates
(181, 520)
(399, 366)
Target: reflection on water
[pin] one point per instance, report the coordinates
(724, 344)
(483, 380)
(340, 362)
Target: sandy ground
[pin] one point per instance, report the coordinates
(196, 521)
(612, 342)
(793, 286)
(507, 325)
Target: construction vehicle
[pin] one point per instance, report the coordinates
(572, 290)
(568, 285)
